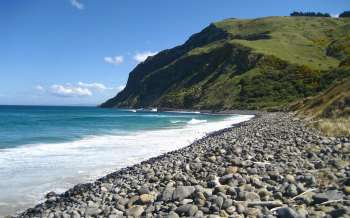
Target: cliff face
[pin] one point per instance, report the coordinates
(242, 64)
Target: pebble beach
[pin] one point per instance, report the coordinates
(270, 166)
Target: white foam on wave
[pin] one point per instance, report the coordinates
(176, 121)
(185, 112)
(195, 121)
(30, 171)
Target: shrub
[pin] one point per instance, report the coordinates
(345, 14)
(309, 14)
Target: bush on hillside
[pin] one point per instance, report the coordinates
(345, 14)
(309, 14)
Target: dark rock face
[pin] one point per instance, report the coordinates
(138, 92)
(270, 166)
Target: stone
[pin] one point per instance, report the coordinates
(292, 190)
(50, 195)
(75, 214)
(146, 198)
(212, 158)
(200, 202)
(310, 180)
(231, 209)
(318, 214)
(226, 178)
(214, 208)
(227, 203)
(287, 212)
(327, 196)
(231, 170)
(219, 201)
(340, 212)
(104, 189)
(65, 215)
(223, 213)
(150, 209)
(253, 212)
(213, 216)
(199, 213)
(92, 211)
(290, 178)
(107, 186)
(186, 201)
(120, 207)
(199, 195)
(257, 182)
(240, 208)
(251, 196)
(143, 190)
(116, 212)
(302, 211)
(347, 190)
(187, 209)
(305, 199)
(347, 181)
(135, 211)
(172, 214)
(167, 193)
(132, 200)
(153, 179)
(116, 216)
(220, 189)
(182, 192)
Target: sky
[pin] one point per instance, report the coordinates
(80, 52)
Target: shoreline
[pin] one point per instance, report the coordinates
(214, 177)
(162, 140)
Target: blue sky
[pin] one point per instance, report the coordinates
(80, 52)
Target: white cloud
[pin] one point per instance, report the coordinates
(142, 56)
(40, 88)
(79, 89)
(69, 91)
(77, 4)
(94, 86)
(114, 60)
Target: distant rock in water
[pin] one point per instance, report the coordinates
(243, 64)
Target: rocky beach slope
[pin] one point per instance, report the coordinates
(270, 166)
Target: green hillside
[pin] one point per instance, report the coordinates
(334, 102)
(243, 64)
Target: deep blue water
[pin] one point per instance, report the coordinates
(20, 125)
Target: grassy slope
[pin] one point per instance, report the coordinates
(260, 63)
(298, 40)
(332, 103)
(330, 110)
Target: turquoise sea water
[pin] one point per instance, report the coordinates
(53, 148)
(21, 125)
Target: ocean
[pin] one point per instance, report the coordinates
(49, 148)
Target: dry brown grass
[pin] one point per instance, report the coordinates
(334, 127)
